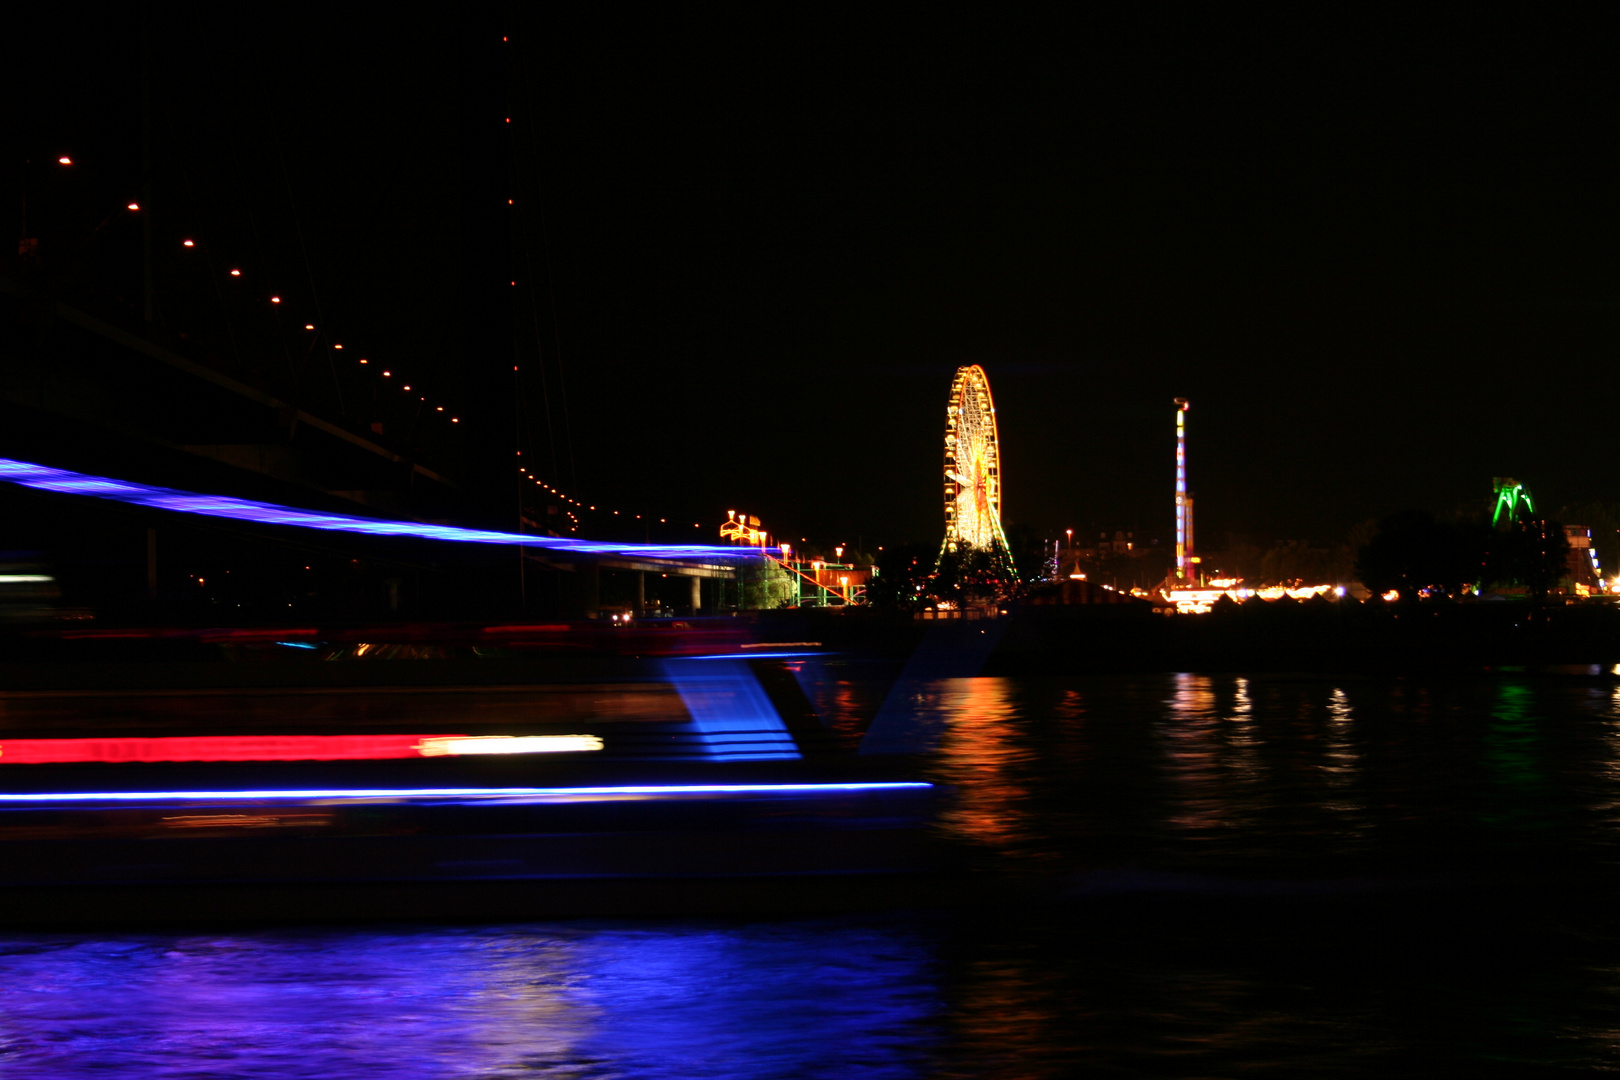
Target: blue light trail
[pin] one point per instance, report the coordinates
(45, 478)
(458, 792)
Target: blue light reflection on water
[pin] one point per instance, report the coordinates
(782, 999)
(1239, 875)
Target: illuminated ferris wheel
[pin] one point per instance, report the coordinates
(972, 464)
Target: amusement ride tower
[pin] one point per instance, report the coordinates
(1184, 503)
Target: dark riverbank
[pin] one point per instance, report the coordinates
(1313, 636)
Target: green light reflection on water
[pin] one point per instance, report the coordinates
(1512, 757)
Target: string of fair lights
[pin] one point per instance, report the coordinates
(407, 385)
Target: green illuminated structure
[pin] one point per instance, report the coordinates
(1510, 497)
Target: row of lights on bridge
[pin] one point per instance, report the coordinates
(190, 244)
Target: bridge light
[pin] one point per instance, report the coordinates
(188, 243)
(236, 273)
(64, 160)
(134, 206)
(275, 299)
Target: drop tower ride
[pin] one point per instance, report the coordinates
(1184, 503)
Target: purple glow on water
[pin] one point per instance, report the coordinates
(777, 1000)
(45, 478)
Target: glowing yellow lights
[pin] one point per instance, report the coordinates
(441, 408)
(236, 273)
(508, 744)
(275, 299)
(337, 346)
(972, 463)
(405, 388)
(64, 160)
(363, 360)
(508, 202)
(454, 420)
(134, 206)
(188, 243)
(387, 373)
(742, 528)
(309, 326)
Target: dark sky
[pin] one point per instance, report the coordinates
(1378, 256)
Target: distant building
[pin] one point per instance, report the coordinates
(1585, 574)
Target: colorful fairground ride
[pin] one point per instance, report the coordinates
(800, 581)
(1515, 509)
(1514, 506)
(973, 472)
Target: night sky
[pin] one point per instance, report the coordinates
(754, 243)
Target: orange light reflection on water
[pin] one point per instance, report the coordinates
(982, 754)
(1212, 755)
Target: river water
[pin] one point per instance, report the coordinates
(1190, 876)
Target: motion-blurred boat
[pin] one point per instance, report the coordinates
(415, 771)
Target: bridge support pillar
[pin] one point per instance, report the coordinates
(641, 593)
(697, 594)
(593, 588)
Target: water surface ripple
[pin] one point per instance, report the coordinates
(1196, 876)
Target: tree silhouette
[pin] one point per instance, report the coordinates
(1412, 553)
(1530, 553)
(903, 577)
